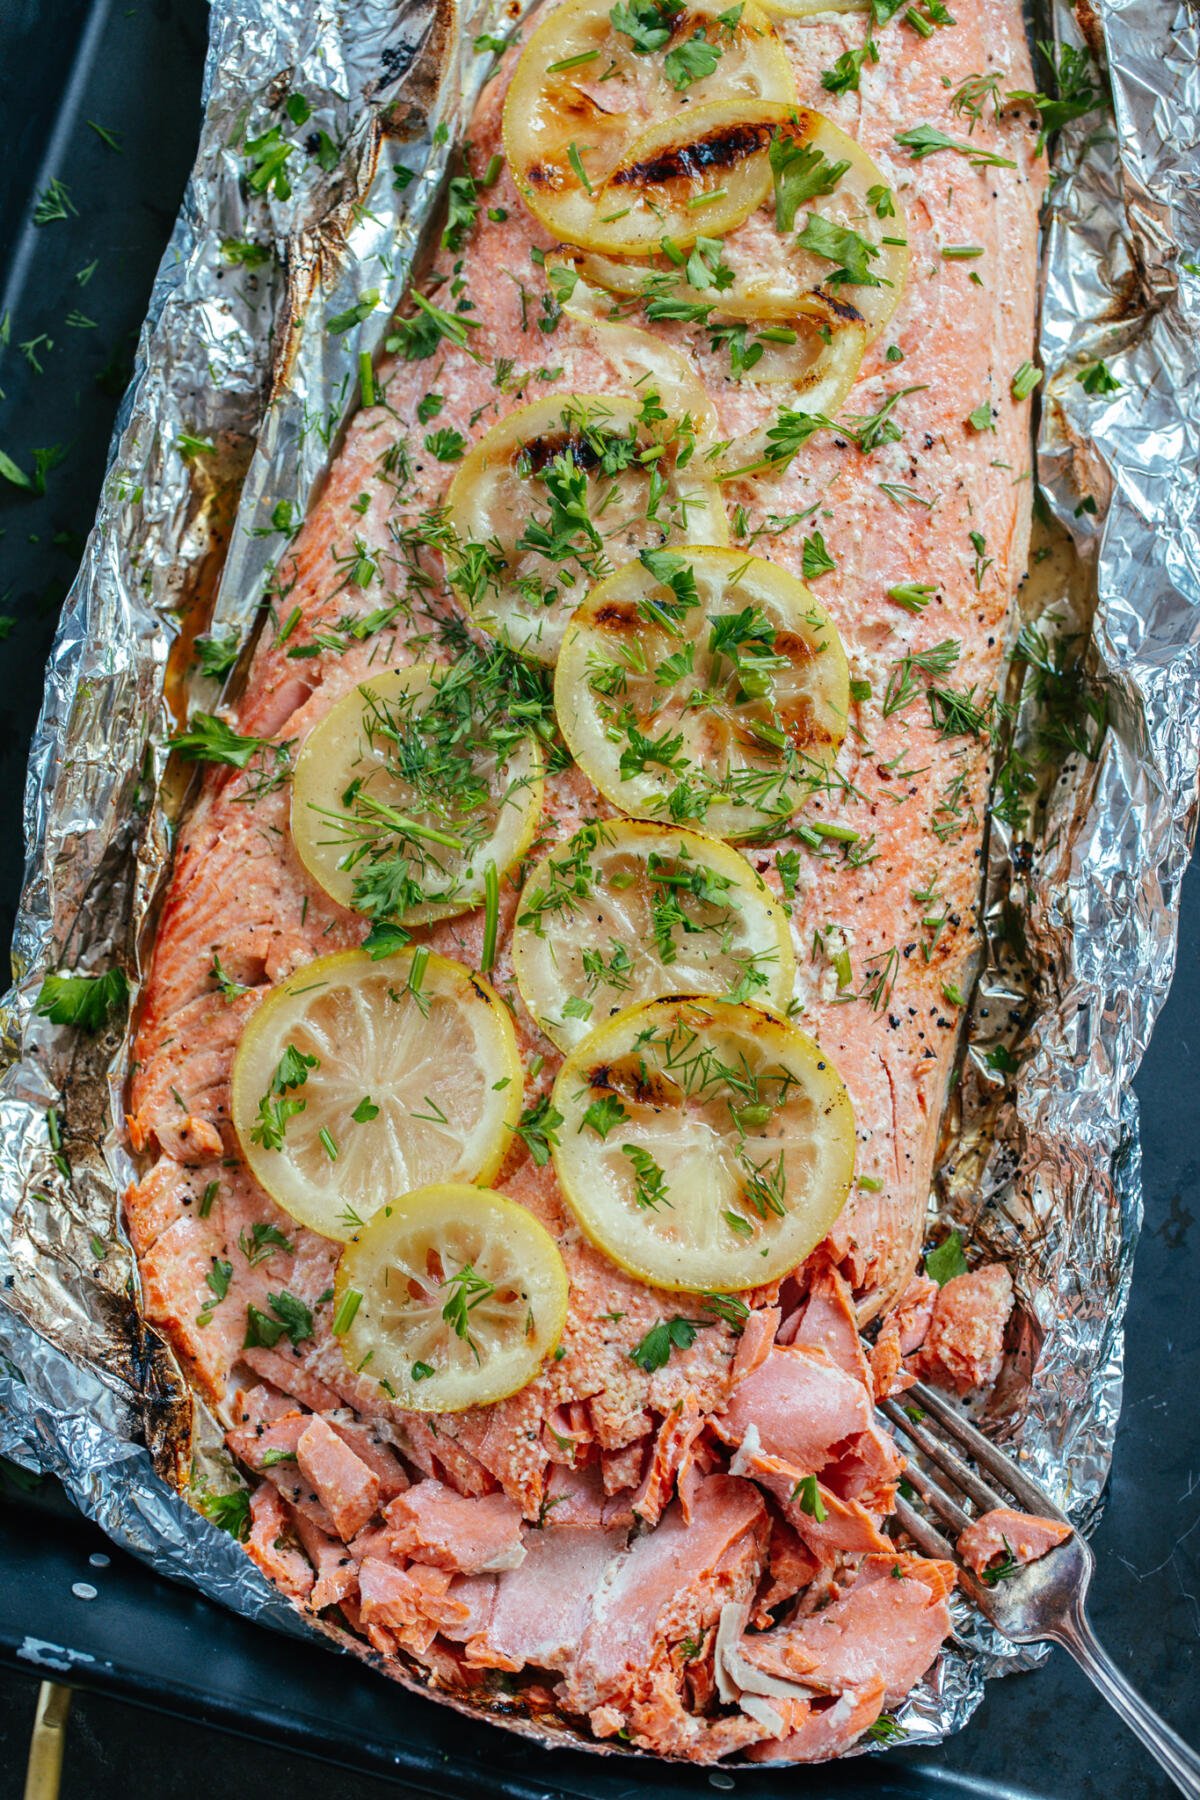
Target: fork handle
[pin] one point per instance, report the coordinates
(1181, 1763)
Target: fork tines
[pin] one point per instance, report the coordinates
(964, 1482)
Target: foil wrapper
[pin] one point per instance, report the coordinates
(1042, 1167)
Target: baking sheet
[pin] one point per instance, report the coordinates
(1106, 940)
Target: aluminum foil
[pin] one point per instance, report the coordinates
(1042, 1167)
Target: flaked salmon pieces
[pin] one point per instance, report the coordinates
(678, 1530)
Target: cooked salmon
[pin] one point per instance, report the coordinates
(694, 1555)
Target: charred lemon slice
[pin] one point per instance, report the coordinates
(703, 685)
(356, 1080)
(815, 347)
(407, 790)
(557, 494)
(704, 169)
(831, 237)
(624, 122)
(703, 1145)
(627, 912)
(640, 361)
(452, 1296)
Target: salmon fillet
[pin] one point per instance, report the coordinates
(503, 1538)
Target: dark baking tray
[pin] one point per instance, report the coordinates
(135, 69)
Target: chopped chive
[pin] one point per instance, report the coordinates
(913, 596)
(348, 1305)
(491, 916)
(576, 162)
(491, 174)
(289, 625)
(572, 62)
(366, 378)
(706, 199)
(961, 252)
(207, 1198)
(1024, 380)
(330, 1148)
(870, 1183)
(416, 973)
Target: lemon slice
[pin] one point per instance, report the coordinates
(610, 117)
(407, 790)
(557, 494)
(814, 345)
(451, 1297)
(768, 265)
(356, 1080)
(640, 360)
(703, 1145)
(703, 170)
(706, 686)
(626, 912)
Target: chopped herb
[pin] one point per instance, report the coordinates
(1024, 380)
(230, 989)
(913, 596)
(229, 1512)
(467, 1291)
(291, 1316)
(654, 1351)
(1096, 379)
(692, 60)
(537, 1127)
(445, 444)
(808, 1493)
(216, 656)
(926, 140)
(650, 1181)
(846, 73)
(947, 1261)
(348, 1306)
(462, 210)
(54, 203)
(838, 244)
(257, 1245)
(1079, 85)
(603, 1114)
(646, 23)
(1004, 1570)
(88, 1001)
(815, 558)
(730, 1307)
(210, 740)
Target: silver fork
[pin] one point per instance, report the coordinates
(1045, 1598)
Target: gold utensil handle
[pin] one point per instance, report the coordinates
(44, 1771)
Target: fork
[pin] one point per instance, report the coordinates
(1042, 1600)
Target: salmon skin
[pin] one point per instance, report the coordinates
(695, 1556)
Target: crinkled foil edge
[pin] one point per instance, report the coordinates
(1045, 1168)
